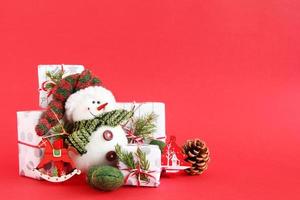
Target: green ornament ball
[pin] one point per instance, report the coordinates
(159, 143)
(106, 178)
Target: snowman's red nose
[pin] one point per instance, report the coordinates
(102, 106)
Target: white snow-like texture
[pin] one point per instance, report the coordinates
(83, 105)
(98, 147)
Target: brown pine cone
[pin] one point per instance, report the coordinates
(197, 154)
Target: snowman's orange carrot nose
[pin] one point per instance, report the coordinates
(102, 106)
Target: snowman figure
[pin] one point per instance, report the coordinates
(85, 105)
(80, 99)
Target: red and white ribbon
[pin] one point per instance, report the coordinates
(133, 138)
(138, 172)
(50, 91)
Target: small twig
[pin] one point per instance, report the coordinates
(62, 127)
(53, 135)
(137, 107)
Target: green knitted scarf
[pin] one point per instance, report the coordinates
(82, 130)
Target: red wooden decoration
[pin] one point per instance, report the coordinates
(173, 157)
(57, 154)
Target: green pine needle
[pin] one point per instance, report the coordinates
(144, 126)
(125, 157)
(128, 159)
(144, 163)
(55, 76)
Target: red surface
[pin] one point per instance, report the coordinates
(228, 72)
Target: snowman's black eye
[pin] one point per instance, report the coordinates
(93, 102)
(98, 102)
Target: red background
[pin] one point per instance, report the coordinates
(228, 71)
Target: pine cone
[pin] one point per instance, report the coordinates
(197, 154)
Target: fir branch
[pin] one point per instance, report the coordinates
(128, 160)
(144, 163)
(144, 126)
(125, 157)
(55, 76)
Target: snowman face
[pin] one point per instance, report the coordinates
(88, 103)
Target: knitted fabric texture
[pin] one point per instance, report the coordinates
(83, 129)
(56, 108)
(105, 178)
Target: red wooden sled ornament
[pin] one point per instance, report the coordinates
(59, 156)
(173, 159)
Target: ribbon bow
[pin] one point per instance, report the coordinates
(48, 87)
(138, 172)
(133, 138)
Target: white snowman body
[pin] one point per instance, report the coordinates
(86, 104)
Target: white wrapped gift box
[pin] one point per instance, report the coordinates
(44, 99)
(153, 155)
(29, 156)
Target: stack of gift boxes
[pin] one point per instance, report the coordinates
(30, 156)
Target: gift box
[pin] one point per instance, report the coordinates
(29, 154)
(158, 108)
(44, 95)
(147, 169)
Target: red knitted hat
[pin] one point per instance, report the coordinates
(61, 93)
